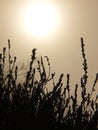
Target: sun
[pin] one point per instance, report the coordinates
(40, 19)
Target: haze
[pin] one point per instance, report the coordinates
(77, 18)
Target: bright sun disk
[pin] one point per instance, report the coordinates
(40, 19)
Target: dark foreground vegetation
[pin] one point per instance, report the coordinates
(30, 105)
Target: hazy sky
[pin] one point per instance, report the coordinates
(78, 18)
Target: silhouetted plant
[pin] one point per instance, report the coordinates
(31, 105)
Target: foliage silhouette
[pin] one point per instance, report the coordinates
(30, 105)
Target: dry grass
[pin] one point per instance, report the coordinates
(30, 105)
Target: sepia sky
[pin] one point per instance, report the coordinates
(76, 19)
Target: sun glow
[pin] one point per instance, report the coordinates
(40, 19)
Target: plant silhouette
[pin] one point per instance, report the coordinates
(30, 105)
